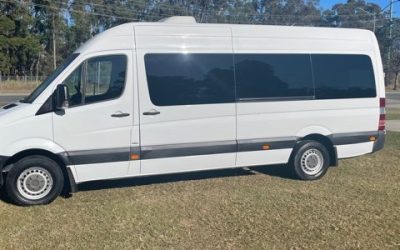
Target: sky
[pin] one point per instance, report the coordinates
(326, 4)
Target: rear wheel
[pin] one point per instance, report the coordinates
(34, 180)
(311, 160)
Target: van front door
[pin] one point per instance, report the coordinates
(95, 130)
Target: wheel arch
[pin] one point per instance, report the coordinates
(327, 142)
(61, 159)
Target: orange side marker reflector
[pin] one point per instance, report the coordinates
(372, 138)
(135, 157)
(266, 147)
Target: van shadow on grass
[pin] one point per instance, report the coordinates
(281, 171)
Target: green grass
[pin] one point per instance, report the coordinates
(392, 113)
(356, 205)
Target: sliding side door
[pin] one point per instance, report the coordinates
(186, 89)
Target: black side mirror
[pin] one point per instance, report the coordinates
(60, 98)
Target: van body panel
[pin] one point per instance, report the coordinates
(187, 163)
(100, 171)
(116, 38)
(194, 39)
(261, 157)
(352, 150)
(273, 119)
(378, 69)
(303, 118)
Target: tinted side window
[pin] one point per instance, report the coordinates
(343, 76)
(184, 79)
(105, 78)
(273, 76)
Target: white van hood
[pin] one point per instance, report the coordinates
(13, 112)
(22, 129)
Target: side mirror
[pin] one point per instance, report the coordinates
(60, 98)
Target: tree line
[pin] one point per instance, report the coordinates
(36, 35)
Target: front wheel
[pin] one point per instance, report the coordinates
(310, 161)
(34, 180)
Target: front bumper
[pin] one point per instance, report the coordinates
(380, 141)
(3, 160)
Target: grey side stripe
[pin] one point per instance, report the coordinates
(274, 143)
(188, 149)
(202, 148)
(136, 150)
(98, 156)
(351, 138)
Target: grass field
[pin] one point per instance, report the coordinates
(18, 86)
(356, 205)
(393, 113)
(390, 89)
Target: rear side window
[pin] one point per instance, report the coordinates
(274, 76)
(343, 76)
(189, 79)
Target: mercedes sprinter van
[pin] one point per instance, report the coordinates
(176, 96)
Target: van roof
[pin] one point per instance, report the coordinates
(190, 20)
(187, 26)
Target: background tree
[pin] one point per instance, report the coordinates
(36, 35)
(354, 14)
(7, 26)
(19, 48)
(395, 68)
(50, 27)
(395, 62)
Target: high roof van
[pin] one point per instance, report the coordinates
(177, 96)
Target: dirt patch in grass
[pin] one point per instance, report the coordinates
(356, 205)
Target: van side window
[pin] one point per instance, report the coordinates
(260, 76)
(189, 79)
(74, 82)
(97, 79)
(343, 76)
(105, 78)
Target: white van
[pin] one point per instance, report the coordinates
(176, 96)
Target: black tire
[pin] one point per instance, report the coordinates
(34, 164)
(302, 163)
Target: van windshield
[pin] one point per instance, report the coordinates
(49, 79)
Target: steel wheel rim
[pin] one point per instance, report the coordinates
(34, 183)
(312, 161)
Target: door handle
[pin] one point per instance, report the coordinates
(120, 114)
(152, 112)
